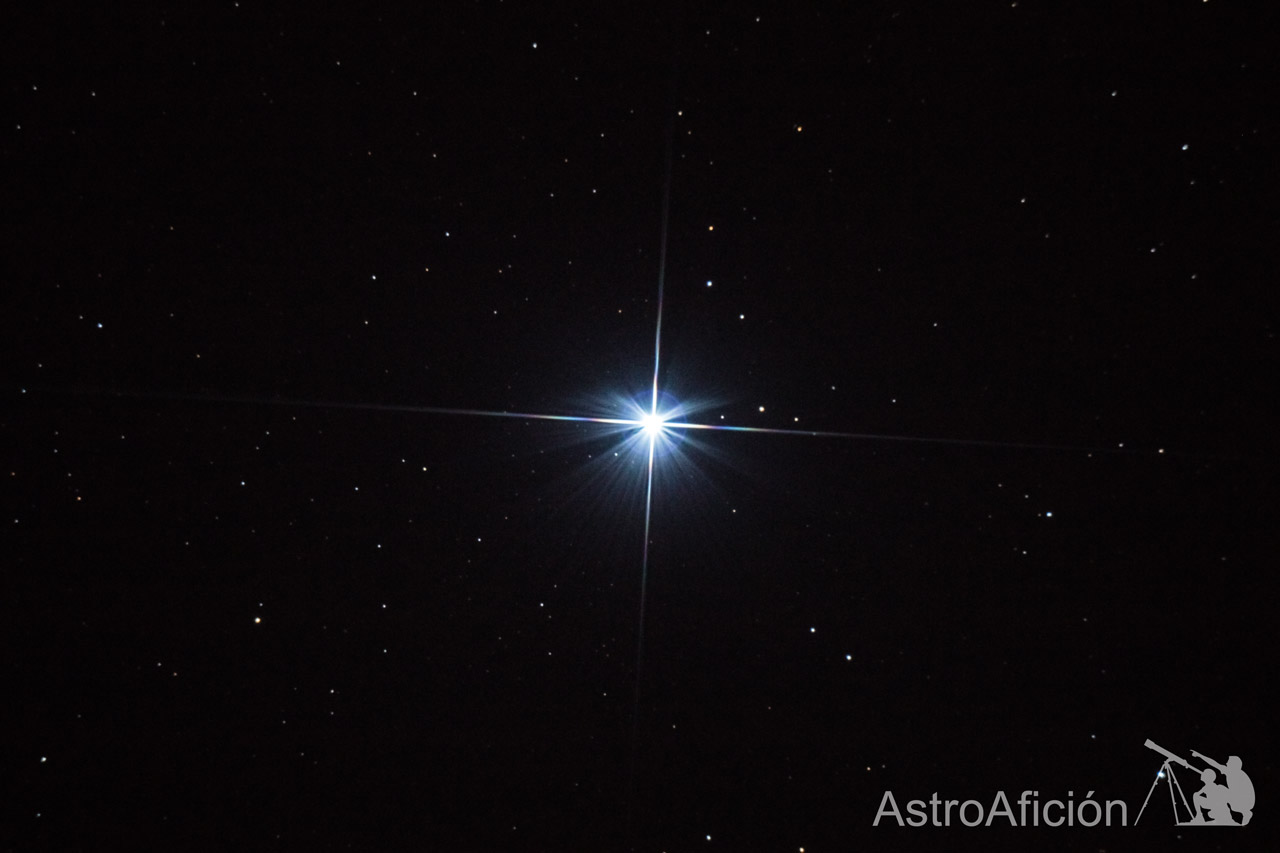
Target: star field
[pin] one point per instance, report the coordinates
(331, 519)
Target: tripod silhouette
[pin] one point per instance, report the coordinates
(1166, 773)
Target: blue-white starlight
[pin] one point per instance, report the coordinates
(653, 424)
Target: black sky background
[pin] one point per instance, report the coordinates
(242, 618)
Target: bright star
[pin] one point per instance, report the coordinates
(652, 424)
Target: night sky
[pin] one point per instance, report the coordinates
(261, 592)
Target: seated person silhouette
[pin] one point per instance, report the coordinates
(1239, 785)
(1211, 801)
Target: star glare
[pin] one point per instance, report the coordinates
(652, 424)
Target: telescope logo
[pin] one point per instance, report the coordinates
(1224, 799)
